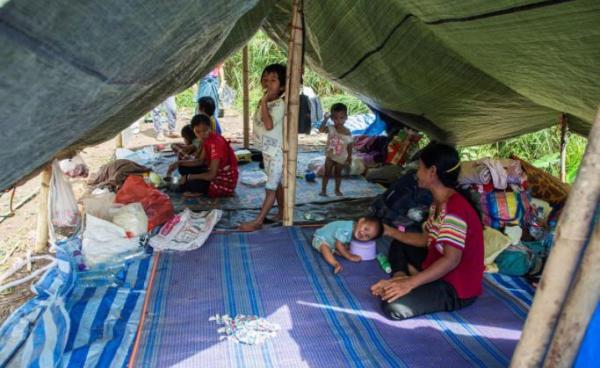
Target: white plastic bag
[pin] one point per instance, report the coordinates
(186, 231)
(99, 205)
(74, 167)
(130, 217)
(253, 178)
(62, 206)
(103, 241)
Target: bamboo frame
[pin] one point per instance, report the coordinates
(246, 101)
(293, 81)
(41, 237)
(119, 140)
(564, 127)
(564, 259)
(579, 307)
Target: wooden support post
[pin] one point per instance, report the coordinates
(563, 147)
(246, 100)
(564, 259)
(579, 307)
(293, 111)
(41, 237)
(119, 140)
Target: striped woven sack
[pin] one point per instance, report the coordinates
(499, 209)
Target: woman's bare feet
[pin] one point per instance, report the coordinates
(323, 194)
(339, 194)
(250, 226)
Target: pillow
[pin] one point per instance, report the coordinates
(494, 243)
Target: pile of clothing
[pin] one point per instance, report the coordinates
(519, 228)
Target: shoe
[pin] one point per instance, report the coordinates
(160, 137)
(172, 135)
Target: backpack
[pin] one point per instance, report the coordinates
(393, 205)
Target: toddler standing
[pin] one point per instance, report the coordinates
(339, 147)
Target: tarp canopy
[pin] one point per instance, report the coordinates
(468, 72)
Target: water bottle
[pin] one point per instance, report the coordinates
(549, 237)
(384, 263)
(536, 227)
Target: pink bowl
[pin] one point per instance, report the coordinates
(366, 250)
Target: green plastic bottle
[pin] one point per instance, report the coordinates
(384, 263)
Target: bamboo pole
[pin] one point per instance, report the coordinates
(564, 259)
(41, 237)
(293, 111)
(246, 104)
(563, 147)
(119, 140)
(579, 307)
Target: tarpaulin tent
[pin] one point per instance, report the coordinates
(77, 73)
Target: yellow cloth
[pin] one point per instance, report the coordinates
(494, 243)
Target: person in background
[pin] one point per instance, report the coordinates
(207, 106)
(210, 85)
(440, 269)
(187, 149)
(339, 147)
(214, 171)
(268, 137)
(170, 108)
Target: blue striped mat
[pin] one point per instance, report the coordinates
(70, 325)
(326, 320)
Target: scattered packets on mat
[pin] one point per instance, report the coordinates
(243, 329)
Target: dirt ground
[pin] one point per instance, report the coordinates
(17, 232)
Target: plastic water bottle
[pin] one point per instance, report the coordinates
(549, 237)
(536, 228)
(384, 263)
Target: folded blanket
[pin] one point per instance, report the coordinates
(499, 172)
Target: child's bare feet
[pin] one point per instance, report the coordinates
(323, 194)
(337, 268)
(353, 258)
(339, 194)
(249, 226)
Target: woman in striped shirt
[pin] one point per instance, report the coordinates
(440, 269)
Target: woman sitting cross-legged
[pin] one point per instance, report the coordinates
(440, 269)
(214, 171)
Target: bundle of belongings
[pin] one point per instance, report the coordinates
(398, 151)
(519, 227)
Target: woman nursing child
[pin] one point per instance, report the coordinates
(214, 169)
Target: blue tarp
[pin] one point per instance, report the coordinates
(77, 319)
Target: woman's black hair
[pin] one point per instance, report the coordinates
(206, 105)
(201, 119)
(187, 132)
(280, 70)
(446, 160)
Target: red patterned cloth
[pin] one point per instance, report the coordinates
(217, 148)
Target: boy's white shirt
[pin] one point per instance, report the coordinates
(270, 142)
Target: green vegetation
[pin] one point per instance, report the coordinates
(540, 148)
